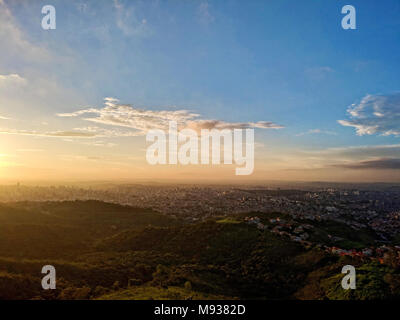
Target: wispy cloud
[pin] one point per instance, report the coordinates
(357, 152)
(378, 164)
(318, 73)
(29, 150)
(17, 44)
(316, 131)
(87, 132)
(60, 134)
(141, 120)
(128, 22)
(131, 122)
(375, 114)
(204, 14)
(101, 144)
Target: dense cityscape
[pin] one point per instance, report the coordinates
(359, 208)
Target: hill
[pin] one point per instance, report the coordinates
(108, 251)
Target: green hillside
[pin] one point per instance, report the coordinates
(107, 251)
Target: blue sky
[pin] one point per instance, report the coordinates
(287, 62)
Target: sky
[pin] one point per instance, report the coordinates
(75, 102)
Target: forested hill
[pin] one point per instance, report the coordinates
(108, 251)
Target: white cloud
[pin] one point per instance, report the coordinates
(375, 114)
(132, 122)
(11, 80)
(124, 115)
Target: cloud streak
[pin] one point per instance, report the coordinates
(87, 132)
(377, 164)
(316, 131)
